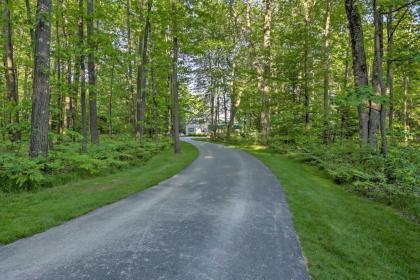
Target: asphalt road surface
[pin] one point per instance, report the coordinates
(223, 217)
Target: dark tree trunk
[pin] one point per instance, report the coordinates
(111, 92)
(378, 84)
(326, 69)
(11, 77)
(360, 70)
(58, 116)
(29, 21)
(82, 77)
(405, 108)
(177, 144)
(154, 91)
(377, 112)
(389, 73)
(305, 62)
(39, 118)
(93, 116)
(142, 74)
(139, 124)
(132, 98)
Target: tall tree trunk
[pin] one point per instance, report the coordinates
(305, 61)
(360, 70)
(380, 38)
(58, 116)
(345, 108)
(212, 96)
(142, 74)
(11, 77)
(130, 66)
(154, 91)
(389, 73)
(235, 98)
(26, 91)
(39, 119)
(82, 77)
(29, 22)
(93, 118)
(70, 99)
(264, 74)
(139, 124)
(28, 65)
(111, 93)
(326, 64)
(177, 144)
(405, 110)
(69, 102)
(377, 112)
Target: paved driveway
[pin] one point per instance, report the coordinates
(224, 217)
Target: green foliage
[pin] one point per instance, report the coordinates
(19, 173)
(65, 162)
(393, 179)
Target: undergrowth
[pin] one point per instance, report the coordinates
(66, 162)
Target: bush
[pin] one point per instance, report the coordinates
(65, 162)
(394, 179)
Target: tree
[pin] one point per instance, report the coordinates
(93, 118)
(39, 118)
(359, 65)
(174, 83)
(9, 65)
(263, 70)
(377, 82)
(326, 68)
(81, 75)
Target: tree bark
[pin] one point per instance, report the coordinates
(139, 111)
(360, 71)
(111, 93)
(154, 91)
(39, 117)
(10, 68)
(177, 144)
(389, 73)
(29, 21)
(405, 109)
(326, 64)
(82, 76)
(305, 61)
(130, 67)
(142, 74)
(264, 74)
(377, 111)
(235, 98)
(93, 118)
(58, 116)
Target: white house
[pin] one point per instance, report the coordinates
(196, 128)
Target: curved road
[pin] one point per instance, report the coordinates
(224, 217)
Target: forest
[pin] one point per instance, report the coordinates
(324, 92)
(89, 86)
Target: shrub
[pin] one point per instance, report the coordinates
(65, 162)
(393, 179)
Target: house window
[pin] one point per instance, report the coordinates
(191, 130)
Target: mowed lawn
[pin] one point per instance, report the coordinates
(27, 213)
(343, 235)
